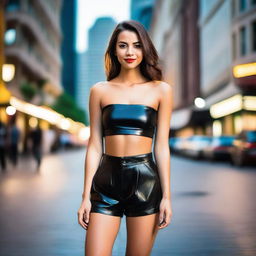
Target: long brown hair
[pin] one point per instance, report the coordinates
(149, 67)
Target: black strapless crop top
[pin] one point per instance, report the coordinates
(132, 119)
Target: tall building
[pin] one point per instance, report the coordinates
(91, 63)
(142, 11)
(228, 35)
(208, 50)
(32, 44)
(68, 51)
(175, 34)
(32, 47)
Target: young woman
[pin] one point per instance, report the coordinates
(128, 110)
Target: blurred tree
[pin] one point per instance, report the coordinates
(66, 106)
(28, 90)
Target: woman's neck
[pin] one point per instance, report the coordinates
(132, 76)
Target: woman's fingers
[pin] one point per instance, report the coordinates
(161, 217)
(81, 219)
(86, 217)
(166, 219)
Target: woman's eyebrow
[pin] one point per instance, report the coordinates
(126, 42)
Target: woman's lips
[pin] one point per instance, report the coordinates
(129, 60)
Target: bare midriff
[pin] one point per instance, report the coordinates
(127, 145)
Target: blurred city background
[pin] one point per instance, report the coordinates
(52, 52)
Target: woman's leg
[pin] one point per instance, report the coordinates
(141, 233)
(101, 234)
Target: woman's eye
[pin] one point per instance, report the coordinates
(121, 45)
(138, 46)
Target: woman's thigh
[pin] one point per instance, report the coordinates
(141, 234)
(101, 234)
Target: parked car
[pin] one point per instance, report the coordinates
(194, 145)
(177, 144)
(219, 148)
(243, 150)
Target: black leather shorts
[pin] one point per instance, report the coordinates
(127, 185)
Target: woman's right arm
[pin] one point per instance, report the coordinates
(93, 153)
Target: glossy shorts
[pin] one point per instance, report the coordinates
(127, 185)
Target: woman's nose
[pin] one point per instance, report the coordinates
(129, 50)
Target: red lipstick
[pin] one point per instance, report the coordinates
(129, 60)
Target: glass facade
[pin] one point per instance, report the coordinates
(216, 55)
(242, 5)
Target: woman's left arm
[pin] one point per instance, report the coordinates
(162, 151)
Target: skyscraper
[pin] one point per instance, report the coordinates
(91, 62)
(68, 52)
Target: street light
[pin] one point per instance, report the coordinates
(199, 102)
(10, 110)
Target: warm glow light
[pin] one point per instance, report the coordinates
(249, 103)
(47, 114)
(84, 133)
(65, 124)
(10, 110)
(238, 124)
(36, 111)
(243, 70)
(8, 72)
(32, 122)
(216, 128)
(227, 106)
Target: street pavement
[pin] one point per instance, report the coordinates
(213, 204)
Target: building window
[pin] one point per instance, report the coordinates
(12, 5)
(242, 5)
(233, 6)
(254, 36)
(234, 46)
(242, 41)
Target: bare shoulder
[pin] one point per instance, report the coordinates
(97, 92)
(97, 86)
(164, 86)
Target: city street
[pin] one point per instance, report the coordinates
(213, 209)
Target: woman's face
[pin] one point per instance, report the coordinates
(129, 49)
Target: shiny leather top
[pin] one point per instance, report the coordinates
(131, 119)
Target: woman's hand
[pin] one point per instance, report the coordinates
(165, 213)
(84, 213)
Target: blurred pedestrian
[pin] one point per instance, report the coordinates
(14, 137)
(36, 140)
(3, 137)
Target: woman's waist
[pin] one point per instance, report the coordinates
(127, 145)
